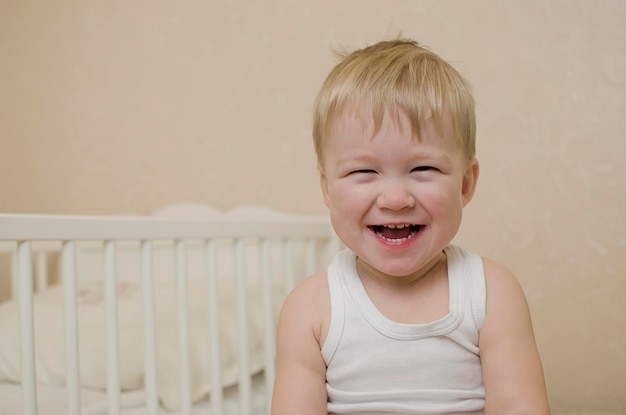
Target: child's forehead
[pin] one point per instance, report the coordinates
(368, 120)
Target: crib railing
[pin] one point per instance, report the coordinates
(32, 238)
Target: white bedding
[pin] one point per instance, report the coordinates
(52, 401)
(49, 351)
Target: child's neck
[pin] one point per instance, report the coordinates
(418, 298)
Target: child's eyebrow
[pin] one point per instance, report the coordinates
(432, 157)
(356, 157)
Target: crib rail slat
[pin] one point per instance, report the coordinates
(72, 370)
(110, 296)
(268, 319)
(311, 256)
(288, 264)
(210, 265)
(245, 387)
(27, 339)
(13, 265)
(149, 330)
(183, 329)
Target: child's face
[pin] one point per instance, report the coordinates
(375, 181)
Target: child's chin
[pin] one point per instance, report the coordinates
(394, 268)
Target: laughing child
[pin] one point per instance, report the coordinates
(403, 322)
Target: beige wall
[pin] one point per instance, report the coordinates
(109, 107)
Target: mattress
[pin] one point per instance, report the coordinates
(52, 401)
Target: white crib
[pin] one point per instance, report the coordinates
(172, 313)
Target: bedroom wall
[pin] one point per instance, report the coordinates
(110, 107)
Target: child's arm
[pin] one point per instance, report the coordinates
(512, 370)
(300, 385)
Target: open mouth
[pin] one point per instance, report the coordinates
(396, 233)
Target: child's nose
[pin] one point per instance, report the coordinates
(395, 196)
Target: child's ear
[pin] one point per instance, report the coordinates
(324, 186)
(469, 181)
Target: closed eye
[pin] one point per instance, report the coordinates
(425, 168)
(363, 171)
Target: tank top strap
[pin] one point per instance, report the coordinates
(473, 280)
(337, 305)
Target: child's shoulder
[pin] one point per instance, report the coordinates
(503, 289)
(307, 306)
(498, 274)
(315, 285)
(506, 301)
(493, 270)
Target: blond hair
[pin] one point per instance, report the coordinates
(391, 76)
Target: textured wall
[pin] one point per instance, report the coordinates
(108, 107)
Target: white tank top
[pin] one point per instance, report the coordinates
(378, 366)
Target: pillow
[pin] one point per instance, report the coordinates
(49, 336)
